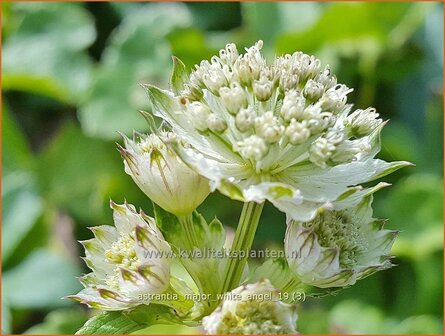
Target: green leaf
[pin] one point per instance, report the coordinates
(110, 323)
(201, 258)
(367, 319)
(313, 320)
(80, 174)
(40, 281)
(22, 206)
(420, 324)
(169, 226)
(429, 287)
(280, 276)
(208, 235)
(285, 17)
(60, 321)
(370, 320)
(128, 322)
(54, 36)
(138, 52)
(342, 22)
(228, 17)
(190, 45)
(6, 317)
(15, 150)
(397, 144)
(422, 227)
(179, 75)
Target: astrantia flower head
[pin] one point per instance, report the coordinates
(281, 132)
(339, 247)
(128, 260)
(252, 309)
(162, 175)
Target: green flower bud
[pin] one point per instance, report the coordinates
(162, 175)
(338, 247)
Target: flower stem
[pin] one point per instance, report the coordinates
(190, 232)
(242, 244)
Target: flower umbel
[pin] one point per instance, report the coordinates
(128, 260)
(281, 132)
(252, 309)
(162, 175)
(339, 247)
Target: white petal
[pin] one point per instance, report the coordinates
(103, 298)
(321, 185)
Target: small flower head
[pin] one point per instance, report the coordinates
(266, 127)
(363, 122)
(252, 309)
(234, 98)
(128, 260)
(338, 247)
(162, 175)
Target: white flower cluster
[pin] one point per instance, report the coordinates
(286, 104)
(281, 132)
(255, 128)
(252, 309)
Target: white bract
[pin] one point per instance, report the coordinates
(252, 309)
(129, 262)
(281, 132)
(339, 246)
(162, 175)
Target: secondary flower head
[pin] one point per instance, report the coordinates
(162, 175)
(339, 247)
(281, 132)
(252, 309)
(128, 260)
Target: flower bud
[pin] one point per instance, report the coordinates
(313, 90)
(297, 132)
(200, 113)
(262, 88)
(128, 262)
(293, 105)
(288, 81)
(253, 148)
(268, 127)
(326, 79)
(214, 78)
(317, 120)
(252, 309)
(234, 98)
(363, 122)
(162, 175)
(245, 119)
(229, 55)
(216, 123)
(320, 152)
(334, 99)
(338, 247)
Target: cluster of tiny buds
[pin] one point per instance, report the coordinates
(292, 101)
(144, 144)
(335, 229)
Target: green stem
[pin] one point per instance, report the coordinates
(242, 244)
(190, 232)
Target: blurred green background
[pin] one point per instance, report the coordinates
(70, 78)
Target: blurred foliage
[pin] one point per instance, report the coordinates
(71, 75)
